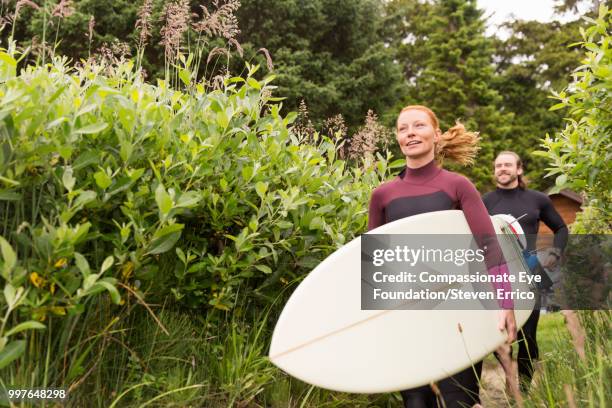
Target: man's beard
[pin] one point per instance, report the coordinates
(510, 180)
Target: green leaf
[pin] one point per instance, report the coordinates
(284, 224)
(222, 119)
(291, 117)
(88, 283)
(8, 68)
(68, 179)
(168, 229)
(580, 184)
(8, 256)
(165, 239)
(316, 223)
(261, 188)
(108, 262)
(29, 325)
(81, 232)
(253, 83)
(56, 122)
(181, 255)
(82, 264)
(253, 224)
(120, 185)
(90, 129)
(325, 209)
(185, 76)
(136, 174)
(397, 164)
(264, 268)
(112, 290)
(102, 179)
(188, 199)
(247, 173)
(223, 184)
(9, 181)
(540, 153)
(7, 59)
(561, 180)
(10, 295)
(85, 159)
(11, 352)
(163, 199)
(65, 152)
(558, 106)
(86, 109)
(84, 198)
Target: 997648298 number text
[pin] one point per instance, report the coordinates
(17, 394)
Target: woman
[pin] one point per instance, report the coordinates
(424, 187)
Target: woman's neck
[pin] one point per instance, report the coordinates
(417, 162)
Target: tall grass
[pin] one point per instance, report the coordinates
(179, 358)
(563, 376)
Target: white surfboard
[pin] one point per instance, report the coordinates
(323, 337)
(515, 227)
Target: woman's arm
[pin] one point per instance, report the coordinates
(483, 231)
(376, 213)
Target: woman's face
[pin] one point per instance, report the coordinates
(416, 134)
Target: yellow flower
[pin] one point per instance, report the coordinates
(39, 315)
(54, 160)
(60, 263)
(52, 288)
(127, 269)
(37, 280)
(58, 310)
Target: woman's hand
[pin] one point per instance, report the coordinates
(508, 322)
(504, 353)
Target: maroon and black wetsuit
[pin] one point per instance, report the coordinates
(426, 189)
(431, 188)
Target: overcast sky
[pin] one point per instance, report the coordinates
(541, 10)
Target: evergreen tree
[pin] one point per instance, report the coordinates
(448, 61)
(527, 72)
(329, 53)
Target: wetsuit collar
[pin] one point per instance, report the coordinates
(424, 172)
(508, 191)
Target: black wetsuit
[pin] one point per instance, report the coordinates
(530, 207)
(426, 189)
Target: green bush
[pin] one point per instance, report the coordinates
(581, 155)
(110, 184)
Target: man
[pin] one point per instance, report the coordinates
(529, 207)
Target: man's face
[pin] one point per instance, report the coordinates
(506, 170)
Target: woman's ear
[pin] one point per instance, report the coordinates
(437, 135)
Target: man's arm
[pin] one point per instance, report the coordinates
(553, 220)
